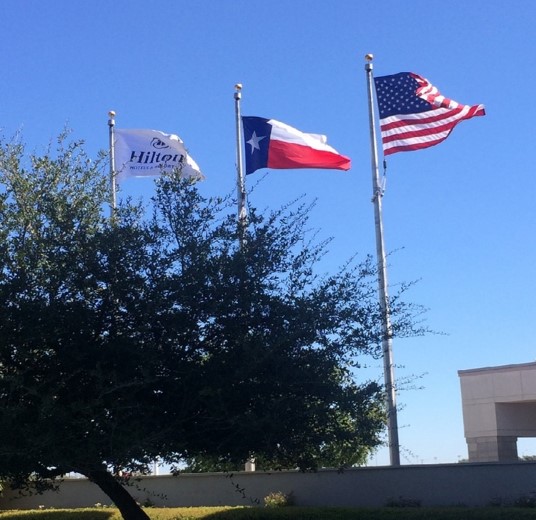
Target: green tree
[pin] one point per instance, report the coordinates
(160, 335)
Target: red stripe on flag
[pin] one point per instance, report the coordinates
(287, 155)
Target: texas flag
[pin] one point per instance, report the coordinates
(272, 144)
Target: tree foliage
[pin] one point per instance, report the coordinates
(160, 334)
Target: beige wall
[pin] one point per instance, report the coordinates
(499, 405)
(432, 485)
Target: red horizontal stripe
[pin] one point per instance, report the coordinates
(282, 155)
(423, 132)
(433, 117)
(426, 131)
(413, 146)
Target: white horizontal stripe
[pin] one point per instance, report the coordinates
(436, 112)
(288, 134)
(425, 126)
(417, 140)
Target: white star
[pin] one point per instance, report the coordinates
(254, 142)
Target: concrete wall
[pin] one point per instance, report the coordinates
(433, 485)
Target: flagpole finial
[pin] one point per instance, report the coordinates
(111, 115)
(368, 65)
(238, 91)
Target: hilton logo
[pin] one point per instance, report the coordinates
(158, 144)
(155, 157)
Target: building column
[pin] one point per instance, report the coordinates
(492, 449)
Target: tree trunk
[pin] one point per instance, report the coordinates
(128, 507)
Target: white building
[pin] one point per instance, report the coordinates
(499, 405)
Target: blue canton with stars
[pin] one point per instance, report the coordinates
(257, 132)
(396, 95)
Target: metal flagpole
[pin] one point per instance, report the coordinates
(111, 125)
(241, 196)
(388, 368)
(240, 180)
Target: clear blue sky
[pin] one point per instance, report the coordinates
(459, 216)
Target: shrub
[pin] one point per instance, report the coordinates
(279, 499)
(403, 502)
(526, 501)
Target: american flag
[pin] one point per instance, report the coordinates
(414, 115)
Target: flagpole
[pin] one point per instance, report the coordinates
(241, 197)
(388, 368)
(111, 125)
(240, 180)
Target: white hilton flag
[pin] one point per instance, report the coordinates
(146, 153)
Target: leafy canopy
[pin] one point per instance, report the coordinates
(157, 334)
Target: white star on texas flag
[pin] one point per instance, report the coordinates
(254, 141)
